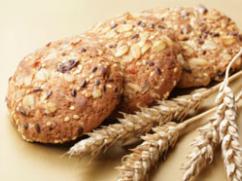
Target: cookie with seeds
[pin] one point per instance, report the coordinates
(64, 89)
(147, 55)
(209, 39)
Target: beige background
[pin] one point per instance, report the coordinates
(26, 25)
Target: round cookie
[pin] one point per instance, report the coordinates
(147, 54)
(64, 89)
(209, 40)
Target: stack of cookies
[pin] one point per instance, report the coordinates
(71, 86)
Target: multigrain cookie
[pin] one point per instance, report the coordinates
(209, 40)
(64, 89)
(147, 54)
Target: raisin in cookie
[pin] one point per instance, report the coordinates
(209, 40)
(147, 55)
(64, 89)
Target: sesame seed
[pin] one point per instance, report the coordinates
(72, 108)
(166, 94)
(109, 86)
(48, 123)
(67, 118)
(75, 116)
(96, 93)
(175, 70)
(174, 83)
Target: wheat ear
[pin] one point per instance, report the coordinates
(229, 137)
(203, 153)
(134, 125)
(210, 137)
(136, 165)
(228, 129)
(204, 148)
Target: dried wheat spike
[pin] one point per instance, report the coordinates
(205, 145)
(203, 153)
(215, 132)
(134, 125)
(229, 137)
(136, 165)
(228, 129)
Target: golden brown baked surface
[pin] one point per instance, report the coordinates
(209, 39)
(64, 89)
(147, 54)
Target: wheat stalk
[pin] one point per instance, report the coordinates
(136, 166)
(228, 129)
(204, 147)
(203, 153)
(134, 125)
(221, 129)
(229, 137)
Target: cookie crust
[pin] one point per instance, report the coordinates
(148, 56)
(64, 89)
(209, 39)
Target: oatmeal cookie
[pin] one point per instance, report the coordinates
(64, 89)
(147, 54)
(209, 39)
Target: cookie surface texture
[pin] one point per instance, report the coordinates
(209, 40)
(147, 54)
(62, 90)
